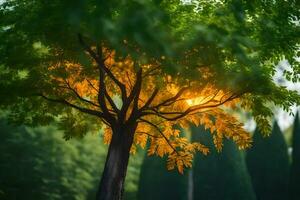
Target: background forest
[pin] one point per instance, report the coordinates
(38, 164)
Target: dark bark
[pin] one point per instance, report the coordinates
(112, 181)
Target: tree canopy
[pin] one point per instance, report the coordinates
(222, 49)
(144, 66)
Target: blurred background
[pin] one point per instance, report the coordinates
(36, 163)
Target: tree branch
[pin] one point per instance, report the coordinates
(158, 129)
(133, 97)
(174, 98)
(187, 111)
(81, 109)
(98, 58)
(137, 89)
(101, 97)
(151, 98)
(111, 102)
(78, 96)
(91, 84)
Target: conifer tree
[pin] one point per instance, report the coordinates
(156, 182)
(294, 185)
(220, 175)
(268, 165)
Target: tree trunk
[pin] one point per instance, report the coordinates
(112, 181)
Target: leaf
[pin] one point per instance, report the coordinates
(107, 135)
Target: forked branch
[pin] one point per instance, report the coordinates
(172, 99)
(78, 96)
(190, 110)
(100, 61)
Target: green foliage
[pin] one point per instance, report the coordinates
(268, 165)
(38, 164)
(221, 175)
(294, 174)
(239, 41)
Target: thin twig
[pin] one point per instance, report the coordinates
(157, 128)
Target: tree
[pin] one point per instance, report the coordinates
(268, 165)
(38, 164)
(220, 175)
(294, 173)
(137, 68)
(158, 183)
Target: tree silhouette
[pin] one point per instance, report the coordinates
(294, 183)
(220, 175)
(156, 182)
(268, 165)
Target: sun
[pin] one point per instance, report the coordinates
(195, 101)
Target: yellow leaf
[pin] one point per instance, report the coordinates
(107, 135)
